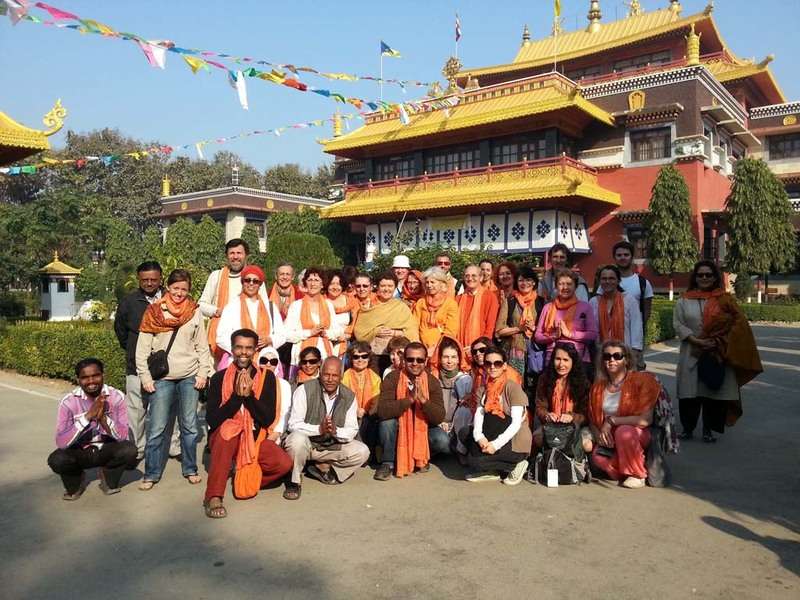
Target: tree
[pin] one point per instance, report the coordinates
(291, 179)
(300, 249)
(671, 247)
(308, 220)
(762, 238)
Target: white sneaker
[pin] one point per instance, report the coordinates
(481, 476)
(517, 474)
(633, 483)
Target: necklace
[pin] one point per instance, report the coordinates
(615, 387)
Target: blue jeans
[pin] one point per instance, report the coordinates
(160, 406)
(438, 440)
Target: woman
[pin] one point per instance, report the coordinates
(621, 404)
(309, 365)
(468, 403)
(383, 320)
(501, 436)
(516, 321)
(559, 259)
(271, 360)
(617, 314)
(567, 319)
(505, 278)
(456, 384)
(412, 288)
(310, 322)
(366, 385)
(346, 309)
(436, 312)
(562, 394)
(173, 324)
(710, 325)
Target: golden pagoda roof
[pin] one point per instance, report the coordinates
(735, 69)
(547, 93)
(18, 142)
(56, 267)
(506, 184)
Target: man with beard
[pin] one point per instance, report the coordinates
(635, 286)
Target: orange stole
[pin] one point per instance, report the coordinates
(307, 321)
(528, 304)
(221, 302)
(262, 324)
(436, 320)
(365, 385)
(154, 321)
(561, 402)
(412, 428)
(612, 327)
(638, 395)
(470, 317)
(494, 391)
(570, 306)
(275, 297)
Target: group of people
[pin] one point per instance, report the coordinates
(330, 371)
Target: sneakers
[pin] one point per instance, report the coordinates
(633, 483)
(515, 477)
(484, 476)
(383, 472)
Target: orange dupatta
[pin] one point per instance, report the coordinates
(221, 302)
(412, 428)
(561, 402)
(262, 324)
(612, 327)
(406, 294)
(570, 306)
(154, 321)
(470, 309)
(275, 296)
(638, 395)
(307, 322)
(365, 385)
(528, 304)
(494, 392)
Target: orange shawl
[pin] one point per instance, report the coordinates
(365, 385)
(612, 327)
(528, 304)
(307, 322)
(221, 302)
(247, 480)
(351, 306)
(302, 377)
(406, 294)
(570, 306)
(283, 307)
(561, 402)
(155, 321)
(638, 395)
(437, 319)
(470, 316)
(494, 393)
(262, 324)
(412, 430)
(371, 301)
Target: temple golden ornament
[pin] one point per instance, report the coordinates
(18, 142)
(57, 267)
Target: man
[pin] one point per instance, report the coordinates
(222, 285)
(635, 286)
(559, 259)
(245, 406)
(309, 362)
(363, 289)
(126, 327)
(92, 431)
(282, 294)
(477, 308)
(250, 311)
(323, 425)
(400, 267)
(410, 408)
(444, 262)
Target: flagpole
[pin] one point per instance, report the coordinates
(381, 82)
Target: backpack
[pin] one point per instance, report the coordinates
(570, 470)
(663, 440)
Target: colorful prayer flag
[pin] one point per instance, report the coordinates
(458, 27)
(387, 51)
(557, 7)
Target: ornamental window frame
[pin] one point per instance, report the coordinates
(669, 151)
(793, 154)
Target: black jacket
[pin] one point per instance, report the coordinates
(262, 409)
(126, 325)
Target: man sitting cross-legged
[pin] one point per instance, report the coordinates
(410, 408)
(246, 415)
(323, 425)
(92, 431)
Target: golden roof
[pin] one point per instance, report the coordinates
(533, 96)
(507, 184)
(58, 268)
(18, 142)
(735, 69)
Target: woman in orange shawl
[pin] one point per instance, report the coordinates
(621, 405)
(366, 385)
(516, 319)
(413, 289)
(346, 308)
(436, 312)
(707, 321)
(617, 313)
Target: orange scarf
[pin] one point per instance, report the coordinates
(433, 304)
(262, 325)
(528, 304)
(283, 302)
(638, 395)
(247, 480)
(221, 302)
(612, 327)
(494, 393)
(570, 306)
(561, 402)
(408, 296)
(412, 431)
(155, 321)
(371, 301)
(365, 385)
(470, 316)
(302, 377)
(307, 322)
(351, 306)
(712, 308)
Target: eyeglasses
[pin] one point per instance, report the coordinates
(362, 285)
(443, 263)
(360, 356)
(704, 275)
(251, 280)
(494, 364)
(607, 356)
(309, 361)
(481, 350)
(415, 360)
(270, 361)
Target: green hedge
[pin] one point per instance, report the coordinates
(659, 327)
(52, 349)
(789, 313)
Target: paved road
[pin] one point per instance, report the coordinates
(728, 528)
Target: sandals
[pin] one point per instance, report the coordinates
(146, 486)
(193, 479)
(215, 512)
(292, 492)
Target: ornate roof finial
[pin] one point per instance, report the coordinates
(337, 124)
(767, 59)
(709, 8)
(693, 47)
(55, 255)
(450, 71)
(165, 187)
(526, 36)
(675, 6)
(55, 118)
(634, 8)
(594, 16)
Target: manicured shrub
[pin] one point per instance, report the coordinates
(301, 250)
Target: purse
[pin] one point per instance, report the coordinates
(710, 371)
(157, 362)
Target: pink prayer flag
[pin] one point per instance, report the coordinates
(156, 55)
(56, 13)
(16, 10)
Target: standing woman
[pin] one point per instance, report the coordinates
(346, 309)
(617, 314)
(516, 321)
(174, 325)
(716, 340)
(559, 259)
(436, 312)
(413, 288)
(310, 321)
(505, 278)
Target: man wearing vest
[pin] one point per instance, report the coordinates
(323, 424)
(637, 287)
(246, 415)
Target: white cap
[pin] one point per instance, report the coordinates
(401, 262)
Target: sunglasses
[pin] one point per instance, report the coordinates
(495, 364)
(607, 356)
(443, 263)
(271, 361)
(309, 361)
(362, 285)
(251, 280)
(415, 360)
(360, 356)
(481, 350)
(705, 276)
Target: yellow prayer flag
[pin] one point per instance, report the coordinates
(195, 63)
(557, 7)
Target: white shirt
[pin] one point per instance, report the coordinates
(231, 320)
(208, 298)
(297, 418)
(296, 334)
(286, 405)
(631, 286)
(632, 318)
(611, 402)
(517, 415)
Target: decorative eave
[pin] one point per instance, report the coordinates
(631, 217)
(775, 110)
(18, 142)
(236, 198)
(737, 70)
(56, 267)
(244, 191)
(723, 118)
(649, 114)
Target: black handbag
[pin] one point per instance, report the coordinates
(710, 370)
(559, 436)
(157, 362)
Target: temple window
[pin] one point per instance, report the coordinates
(784, 146)
(644, 60)
(511, 150)
(637, 236)
(62, 286)
(45, 286)
(355, 177)
(651, 144)
(450, 159)
(395, 166)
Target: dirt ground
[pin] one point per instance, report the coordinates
(729, 527)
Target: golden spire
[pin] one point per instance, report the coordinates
(693, 47)
(526, 36)
(450, 71)
(634, 8)
(337, 124)
(594, 16)
(675, 6)
(165, 187)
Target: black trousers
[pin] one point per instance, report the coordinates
(714, 413)
(113, 458)
(505, 459)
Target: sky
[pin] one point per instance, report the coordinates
(108, 83)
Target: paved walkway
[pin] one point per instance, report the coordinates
(728, 528)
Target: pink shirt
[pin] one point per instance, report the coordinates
(584, 329)
(73, 429)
